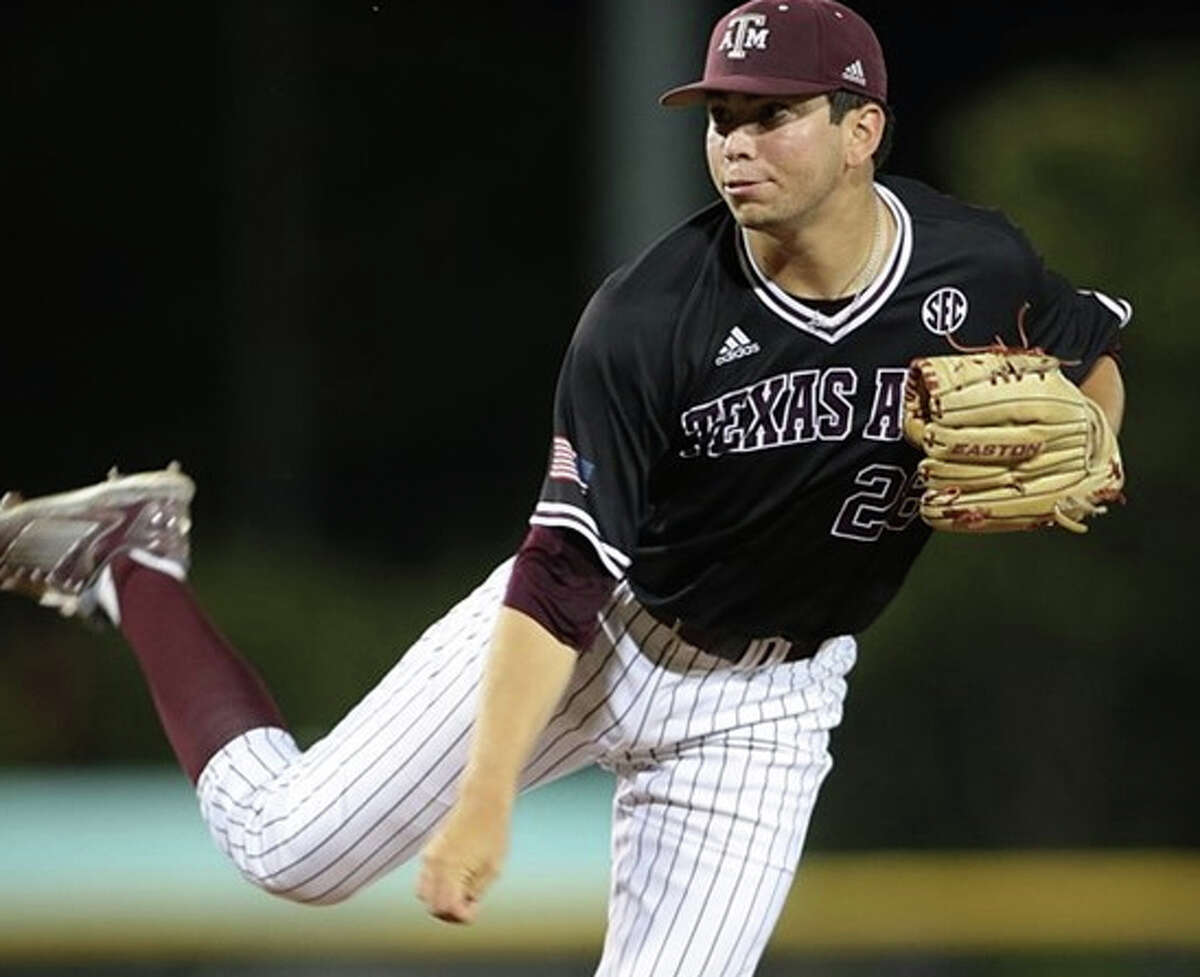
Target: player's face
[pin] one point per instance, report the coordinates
(774, 159)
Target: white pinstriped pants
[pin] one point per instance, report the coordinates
(717, 766)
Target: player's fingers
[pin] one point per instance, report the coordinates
(455, 907)
(445, 888)
(450, 901)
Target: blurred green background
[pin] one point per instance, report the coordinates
(329, 256)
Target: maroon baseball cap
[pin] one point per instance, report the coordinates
(789, 47)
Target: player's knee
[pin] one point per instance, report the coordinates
(297, 883)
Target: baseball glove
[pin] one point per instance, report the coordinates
(1009, 442)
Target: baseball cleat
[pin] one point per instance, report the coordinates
(54, 548)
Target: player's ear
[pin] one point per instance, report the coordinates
(865, 125)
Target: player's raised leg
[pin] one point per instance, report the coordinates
(313, 826)
(118, 550)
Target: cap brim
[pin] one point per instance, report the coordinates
(697, 91)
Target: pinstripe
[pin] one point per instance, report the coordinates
(617, 923)
(564, 710)
(710, 811)
(779, 889)
(529, 779)
(384, 752)
(565, 707)
(308, 768)
(230, 819)
(689, 905)
(268, 769)
(599, 737)
(758, 807)
(347, 823)
(468, 622)
(672, 769)
(729, 905)
(402, 829)
(766, 918)
(811, 775)
(750, 906)
(349, 820)
(285, 756)
(688, 805)
(315, 761)
(417, 841)
(397, 857)
(583, 719)
(358, 765)
(362, 718)
(219, 828)
(660, 672)
(233, 766)
(789, 769)
(734, 819)
(361, 863)
(230, 845)
(433, 663)
(563, 713)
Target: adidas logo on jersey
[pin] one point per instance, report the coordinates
(737, 344)
(854, 72)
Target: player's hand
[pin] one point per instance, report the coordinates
(462, 858)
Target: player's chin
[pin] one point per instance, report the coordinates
(751, 216)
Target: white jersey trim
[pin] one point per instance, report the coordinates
(864, 305)
(568, 516)
(1118, 307)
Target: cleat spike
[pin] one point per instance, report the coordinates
(174, 466)
(10, 500)
(113, 474)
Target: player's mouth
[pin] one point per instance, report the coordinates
(743, 188)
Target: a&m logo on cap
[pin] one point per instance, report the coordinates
(742, 32)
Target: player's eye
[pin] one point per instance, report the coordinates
(773, 113)
(719, 116)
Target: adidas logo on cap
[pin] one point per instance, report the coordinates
(854, 72)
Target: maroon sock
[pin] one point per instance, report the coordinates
(204, 691)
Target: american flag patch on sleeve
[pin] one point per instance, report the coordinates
(566, 465)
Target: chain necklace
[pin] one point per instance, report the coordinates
(870, 267)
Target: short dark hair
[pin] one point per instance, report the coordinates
(841, 102)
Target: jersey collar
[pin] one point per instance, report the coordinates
(866, 303)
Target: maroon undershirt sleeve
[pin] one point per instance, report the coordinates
(558, 580)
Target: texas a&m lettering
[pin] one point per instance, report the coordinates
(792, 408)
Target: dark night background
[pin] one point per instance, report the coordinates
(329, 255)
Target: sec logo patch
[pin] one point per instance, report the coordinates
(944, 311)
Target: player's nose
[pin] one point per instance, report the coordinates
(739, 144)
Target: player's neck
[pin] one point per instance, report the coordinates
(831, 255)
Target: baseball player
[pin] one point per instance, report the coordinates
(729, 499)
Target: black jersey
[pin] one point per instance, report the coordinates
(738, 455)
